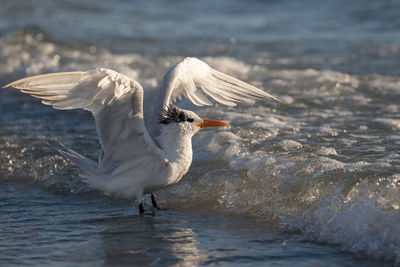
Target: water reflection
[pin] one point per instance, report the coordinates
(148, 240)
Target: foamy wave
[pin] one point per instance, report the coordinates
(365, 220)
(328, 200)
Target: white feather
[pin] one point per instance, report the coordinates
(191, 76)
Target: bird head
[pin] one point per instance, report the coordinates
(187, 121)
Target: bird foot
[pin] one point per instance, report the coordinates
(153, 202)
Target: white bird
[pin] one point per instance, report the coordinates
(135, 158)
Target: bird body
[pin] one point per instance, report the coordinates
(134, 159)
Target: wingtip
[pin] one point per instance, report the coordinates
(271, 97)
(277, 100)
(7, 85)
(12, 84)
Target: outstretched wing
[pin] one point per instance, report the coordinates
(197, 81)
(115, 101)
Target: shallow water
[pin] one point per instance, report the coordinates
(315, 180)
(43, 228)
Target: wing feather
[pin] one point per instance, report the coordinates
(196, 80)
(115, 101)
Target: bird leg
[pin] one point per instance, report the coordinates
(153, 201)
(141, 209)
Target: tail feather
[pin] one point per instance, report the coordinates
(87, 165)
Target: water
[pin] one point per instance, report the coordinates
(314, 181)
(49, 229)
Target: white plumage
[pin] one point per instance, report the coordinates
(134, 160)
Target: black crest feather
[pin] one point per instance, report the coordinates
(172, 113)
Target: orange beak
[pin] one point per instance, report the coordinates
(212, 123)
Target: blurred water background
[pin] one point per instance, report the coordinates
(314, 181)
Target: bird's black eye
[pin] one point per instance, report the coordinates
(190, 119)
(182, 116)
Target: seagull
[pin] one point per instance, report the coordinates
(137, 157)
